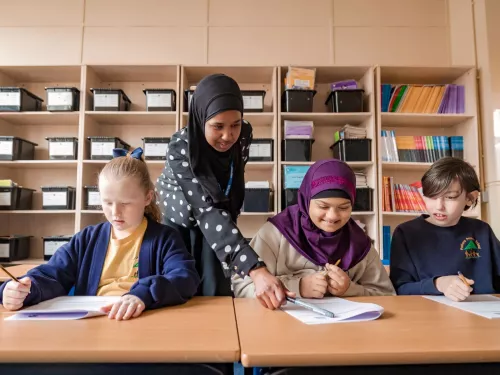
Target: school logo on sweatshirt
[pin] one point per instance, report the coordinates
(471, 247)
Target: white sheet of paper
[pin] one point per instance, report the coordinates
(484, 305)
(65, 308)
(344, 310)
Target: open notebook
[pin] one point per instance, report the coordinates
(344, 310)
(65, 308)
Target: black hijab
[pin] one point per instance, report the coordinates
(215, 94)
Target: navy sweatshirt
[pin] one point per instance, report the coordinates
(422, 252)
(167, 273)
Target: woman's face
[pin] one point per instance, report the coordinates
(223, 130)
(330, 214)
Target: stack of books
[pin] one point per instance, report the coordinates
(402, 197)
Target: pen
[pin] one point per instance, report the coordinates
(317, 310)
(463, 278)
(8, 273)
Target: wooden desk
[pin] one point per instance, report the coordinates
(202, 330)
(17, 271)
(413, 330)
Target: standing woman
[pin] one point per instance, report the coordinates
(202, 187)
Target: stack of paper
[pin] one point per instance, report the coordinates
(361, 180)
(344, 310)
(299, 129)
(65, 308)
(484, 305)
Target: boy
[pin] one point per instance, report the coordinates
(429, 252)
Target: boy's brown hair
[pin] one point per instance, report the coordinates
(128, 166)
(442, 173)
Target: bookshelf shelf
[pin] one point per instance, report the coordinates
(34, 261)
(406, 166)
(39, 164)
(38, 212)
(138, 118)
(420, 120)
(40, 118)
(258, 213)
(328, 119)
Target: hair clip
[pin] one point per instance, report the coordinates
(136, 154)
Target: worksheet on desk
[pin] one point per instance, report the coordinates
(65, 308)
(484, 305)
(344, 310)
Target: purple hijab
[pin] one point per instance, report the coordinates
(349, 243)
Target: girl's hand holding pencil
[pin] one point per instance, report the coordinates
(338, 280)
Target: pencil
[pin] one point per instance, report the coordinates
(463, 278)
(325, 272)
(8, 273)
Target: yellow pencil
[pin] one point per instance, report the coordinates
(325, 272)
(8, 273)
(463, 278)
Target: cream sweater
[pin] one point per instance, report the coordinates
(368, 277)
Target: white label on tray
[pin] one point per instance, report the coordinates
(4, 250)
(253, 102)
(62, 148)
(94, 198)
(159, 100)
(6, 147)
(102, 148)
(301, 83)
(106, 100)
(60, 98)
(5, 198)
(55, 198)
(10, 98)
(52, 246)
(260, 150)
(156, 149)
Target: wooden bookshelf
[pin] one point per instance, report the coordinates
(415, 124)
(327, 123)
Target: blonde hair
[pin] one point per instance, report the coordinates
(127, 166)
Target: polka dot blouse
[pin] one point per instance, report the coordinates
(182, 201)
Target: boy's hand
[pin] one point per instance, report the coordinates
(313, 286)
(338, 280)
(127, 307)
(453, 287)
(15, 293)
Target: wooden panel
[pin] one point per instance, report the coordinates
(461, 32)
(40, 45)
(270, 13)
(146, 13)
(41, 13)
(389, 13)
(144, 45)
(269, 45)
(412, 46)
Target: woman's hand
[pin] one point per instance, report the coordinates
(127, 307)
(338, 280)
(269, 290)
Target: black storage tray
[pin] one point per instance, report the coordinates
(18, 99)
(156, 100)
(294, 100)
(188, 94)
(289, 197)
(257, 200)
(352, 149)
(63, 99)
(18, 248)
(119, 101)
(261, 149)
(253, 100)
(157, 149)
(90, 202)
(296, 149)
(364, 199)
(55, 203)
(21, 149)
(57, 153)
(49, 244)
(20, 198)
(116, 143)
(345, 100)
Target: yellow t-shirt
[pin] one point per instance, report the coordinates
(121, 266)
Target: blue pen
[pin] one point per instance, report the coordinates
(317, 310)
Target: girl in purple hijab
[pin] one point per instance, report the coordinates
(314, 247)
